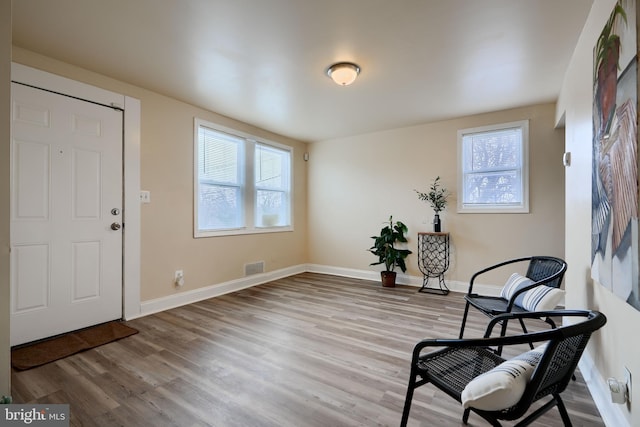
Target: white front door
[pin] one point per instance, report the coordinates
(66, 203)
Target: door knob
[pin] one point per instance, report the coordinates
(115, 226)
(115, 211)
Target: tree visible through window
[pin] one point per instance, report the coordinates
(493, 168)
(272, 186)
(219, 180)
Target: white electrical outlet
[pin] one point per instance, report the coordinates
(627, 380)
(618, 391)
(178, 278)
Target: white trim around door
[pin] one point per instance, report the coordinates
(131, 106)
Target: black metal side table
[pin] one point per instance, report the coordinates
(433, 260)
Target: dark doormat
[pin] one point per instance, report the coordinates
(39, 353)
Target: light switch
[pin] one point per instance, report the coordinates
(145, 196)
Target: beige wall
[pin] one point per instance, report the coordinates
(356, 183)
(5, 90)
(167, 171)
(617, 345)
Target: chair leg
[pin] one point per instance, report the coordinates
(503, 332)
(524, 329)
(563, 411)
(407, 401)
(550, 322)
(464, 319)
(494, 422)
(465, 416)
(554, 401)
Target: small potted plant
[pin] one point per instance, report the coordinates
(384, 248)
(437, 197)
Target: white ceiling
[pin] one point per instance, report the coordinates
(263, 61)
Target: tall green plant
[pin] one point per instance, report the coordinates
(384, 246)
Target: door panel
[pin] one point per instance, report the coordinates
(31, 269)
(66, 179)
(31, 180)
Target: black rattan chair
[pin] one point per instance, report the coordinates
(455, 365)
(542, 270)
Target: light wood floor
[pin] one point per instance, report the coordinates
(308, 350)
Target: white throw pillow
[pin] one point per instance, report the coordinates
(503, 386)
(541, 298)
(513, 284)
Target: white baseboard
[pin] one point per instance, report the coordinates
(189, 297)
(612, 414)
(402, 279)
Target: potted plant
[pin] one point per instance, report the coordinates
(437, 197)
(384, 248)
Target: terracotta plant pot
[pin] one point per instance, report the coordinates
(388, 279)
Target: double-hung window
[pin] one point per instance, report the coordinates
(493, 168)
(242, 185)
(271, 186)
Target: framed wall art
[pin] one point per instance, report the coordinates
(614, 232)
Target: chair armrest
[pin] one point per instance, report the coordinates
(486, 341)
(493, 267)
(532, 315)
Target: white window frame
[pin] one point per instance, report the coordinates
(522, 207)
(249, 189)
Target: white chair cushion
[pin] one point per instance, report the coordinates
(503, 386)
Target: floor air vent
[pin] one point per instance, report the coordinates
(255, 268)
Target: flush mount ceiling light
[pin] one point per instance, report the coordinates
(343, 73)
